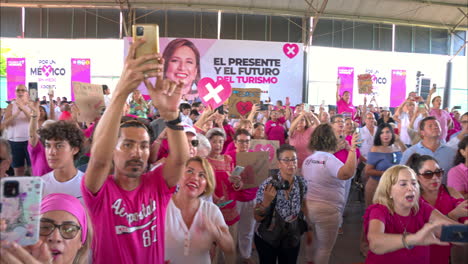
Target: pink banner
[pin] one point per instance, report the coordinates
(16, 75)
(398, 88)
(346, 75)
(80, 72)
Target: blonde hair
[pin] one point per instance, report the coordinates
(245, 122)
(389, 178)
(210, 178)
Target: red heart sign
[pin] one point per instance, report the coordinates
(268, 147)
(244, 107)
(290, 50)
(214, 93)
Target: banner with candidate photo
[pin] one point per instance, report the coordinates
(274, 67)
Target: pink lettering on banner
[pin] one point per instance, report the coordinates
(398, 88)
(346, 75)
(16, 75)
(80, 72)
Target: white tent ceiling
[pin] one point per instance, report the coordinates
(447, 14)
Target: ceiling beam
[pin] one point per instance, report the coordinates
(436, 3)
(234, 9)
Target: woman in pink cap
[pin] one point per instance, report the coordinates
(65, 234)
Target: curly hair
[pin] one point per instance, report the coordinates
(323, 139)
(63, 130)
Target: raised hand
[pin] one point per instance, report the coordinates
(165, 95)
(135, 71)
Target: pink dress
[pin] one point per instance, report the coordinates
(129, 225)
(224, 188)
(444, 203)
(300, 140)
(395, 224)
(443, 117)
(343, 107)
(274, 130)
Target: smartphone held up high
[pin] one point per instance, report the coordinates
(33, 94)
(149, 32)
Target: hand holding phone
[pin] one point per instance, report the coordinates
(359, 139)
(454, 233)
(149, 32)
(33, 94)
(20, 198)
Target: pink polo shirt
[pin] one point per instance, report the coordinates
(457, 178)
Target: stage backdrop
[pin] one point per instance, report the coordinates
(274, 67)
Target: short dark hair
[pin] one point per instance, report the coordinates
(63, 130)
(183, 106)
(196, 104)
(104, 88)
(423, 122)
(416, 161)
(323, 139)
(332, 119)
(459, 157)
(241, 132)
(284, 148)
(194, 112)
(258, 124)
(377, 140)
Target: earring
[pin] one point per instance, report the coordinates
(391, 197)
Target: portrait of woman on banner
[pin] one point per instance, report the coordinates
(182, 63)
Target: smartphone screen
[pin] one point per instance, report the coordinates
(32, 87)
(150, 32)
(421, 105)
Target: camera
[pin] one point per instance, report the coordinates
(280, 185)
(11, 188)
(140, 31)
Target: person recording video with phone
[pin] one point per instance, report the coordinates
(399, 225)
(280, 211)
(182, 63)
(445, 199)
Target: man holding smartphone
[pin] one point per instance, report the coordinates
(126, 203)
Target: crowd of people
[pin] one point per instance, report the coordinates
(151, 181)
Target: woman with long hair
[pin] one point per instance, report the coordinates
(457, 176)
(445, 199)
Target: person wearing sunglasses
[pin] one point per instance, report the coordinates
(65, 234)
(160, 147)
(445, 199)
(429, 129)
(399, 225)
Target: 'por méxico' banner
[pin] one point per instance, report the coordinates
(50, 72)
(273, 67)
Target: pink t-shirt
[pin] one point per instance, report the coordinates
(275, 130)
(244, 195)
(129, 225)
(457, 178)
(224, 188)
(444, 203)
(343, 107)
(38, 158)
(443, 117)
(395, 224)
(300, 140)
(342, 155)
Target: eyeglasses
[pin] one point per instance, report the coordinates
(243, 141)
(288, 160)
(341, 122)
(67, 231)
(21, 90)
(429, 174)
(195, 142)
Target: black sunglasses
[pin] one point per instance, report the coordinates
(429, 174)
(195, 142)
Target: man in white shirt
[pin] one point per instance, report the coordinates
(367, 134)
(62, 141)
(107, 96)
